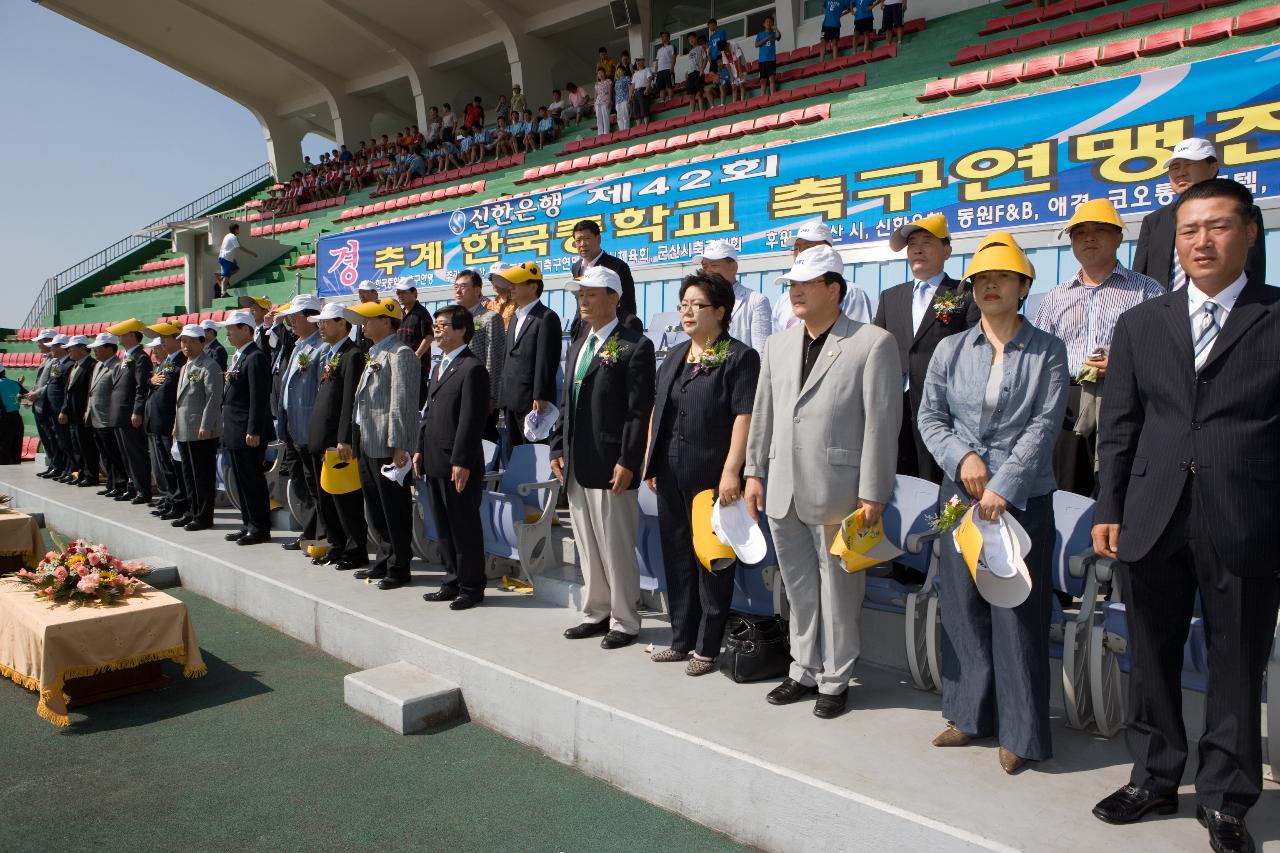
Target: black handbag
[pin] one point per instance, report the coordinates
(756, 648)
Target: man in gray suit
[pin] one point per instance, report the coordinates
(197, 425)
(299, 382)
(100, 412)
(386, 431)
(823, 443)
(35, 397)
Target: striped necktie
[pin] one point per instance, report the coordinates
(1207, 331)
(1178, 278)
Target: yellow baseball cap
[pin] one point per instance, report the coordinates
(361, 311)
(1094, 210)
(1000, 257)
(161, 330)
(935, 225)
(520, 273)
(124, 327)
(261, 301)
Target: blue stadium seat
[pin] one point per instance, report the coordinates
(516, 518)
(653, 572)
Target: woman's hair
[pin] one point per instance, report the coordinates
(717, 291)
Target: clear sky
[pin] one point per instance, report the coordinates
(101, 141)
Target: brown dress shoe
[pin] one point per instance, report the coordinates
(951, 736)
(1010, 762)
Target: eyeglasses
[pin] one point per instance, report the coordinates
(692, 307)
(441, 326)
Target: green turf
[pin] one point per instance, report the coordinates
(262, 754)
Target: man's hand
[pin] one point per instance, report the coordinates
(730, 488)
(460, 477)
(754, 493)
(157, 379)
(1100, 363)
(344, 452)
(136, 420)
(557, 468)
(973, 475)
(1106, 540)
(621, 479)
(652, 483)
(991, 505)
(871, 512)
(539, 405)
(204, 435)
(62, 417)
(417, 465)
(252, 440)
(399, 457)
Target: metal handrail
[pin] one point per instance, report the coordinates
(100, 260)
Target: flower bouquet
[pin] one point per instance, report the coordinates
(952, 511)
(83, 574)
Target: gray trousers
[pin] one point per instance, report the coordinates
(995, 660)
(605, 527)
(826, 603)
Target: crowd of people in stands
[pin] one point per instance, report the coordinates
(805, 417)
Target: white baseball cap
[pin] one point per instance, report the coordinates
(239, 318)
(813, 262)
(406, 283)
(211, 325)
(193, 330)
(1192, 148)
(719, 250)
(815, 231)
(105, 339)
(596, 277)
(59, 340)
(77, 341)
(367, 285)
(734, 526)
(331, 311)
(46, 335)
(538, 425)
(301, 302)
(1002, 577)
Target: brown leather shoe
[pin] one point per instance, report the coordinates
(951, 736)
(1010, 762)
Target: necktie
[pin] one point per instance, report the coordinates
(1178, 279)
(920, 304)
(444, 365)
(583, 364)
(1206, 332)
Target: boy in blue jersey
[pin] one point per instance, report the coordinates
(863, 24)
(833, 11)
(767, 47)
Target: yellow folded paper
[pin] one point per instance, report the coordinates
(861, 547)
(510, 584)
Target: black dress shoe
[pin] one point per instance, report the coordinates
(830, 704)
(254, 539)
(170, 515)
(587, 629)
(392, 583)
(464, 602)
(789, 691)
(615, 639)
(193, 526)
(181, 521)
(440, 595)
(325, 560)
(159, 510)
(292, 545)
(140, 500)
(126, 496)
(1131, 803)
(346, 565)
(46, 473)
(108, 493)
(87, 484)
(236, 535)
(1227, 834)
(65, 478)
(370, 574)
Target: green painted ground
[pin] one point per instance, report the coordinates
(262, 754)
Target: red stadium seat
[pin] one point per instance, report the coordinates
(1104, 23)
(1058, 10)
(1081, 58)
(1257, 19)
(1182, 7)
(719, 132)
(675, 143)
(1026, 18)
(635, 151)
(700, 136)
(884, 51)
(1067, 32)
(655, 147)
(1003, 75)
(1144, 14)
(997, 25)
(1000, 47)
(1162, 42)
(914, 25)
(563, 166)
(971, 82)
(856, 80)
(1120, 51)
(765, 123)
(1033, 39)
(1087, 5)
(597, 159)
(935, 90)
(1209, 31)
(617, 155)
(817, 112)
(969, 53)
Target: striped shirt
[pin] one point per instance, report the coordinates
(1085, 317)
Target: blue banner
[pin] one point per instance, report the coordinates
(1026, 161)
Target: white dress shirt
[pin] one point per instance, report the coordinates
(521, 313)
(922, 293)
(1225, 300)
(601, 336)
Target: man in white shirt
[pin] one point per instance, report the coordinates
(815, 232)
(641, 79)
(666, 64)
(227, 265)
(751, 322)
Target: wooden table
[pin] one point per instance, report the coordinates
(20, 542)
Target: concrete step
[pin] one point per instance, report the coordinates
(405, 698)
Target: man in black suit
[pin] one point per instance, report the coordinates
(1189, 478)
(342, 516)
(597, 450)
(920, 313)
(55, 395)
(84, 455)
(451, 457)
(533, 351)
(128, 404)
(247, 428)
(159, 420)
(586, 238)
(212, 345)
(1193, 160)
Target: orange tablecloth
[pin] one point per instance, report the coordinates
(20, 537)
(42, 644)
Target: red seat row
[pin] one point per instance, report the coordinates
(1097, 25)
(145, 283)
(309, 207)
(303, 262)
(279, 228)
(195, 317)
(412, 200)
(20, 359)
(465, 172)
(817, 112)
(167, 264)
